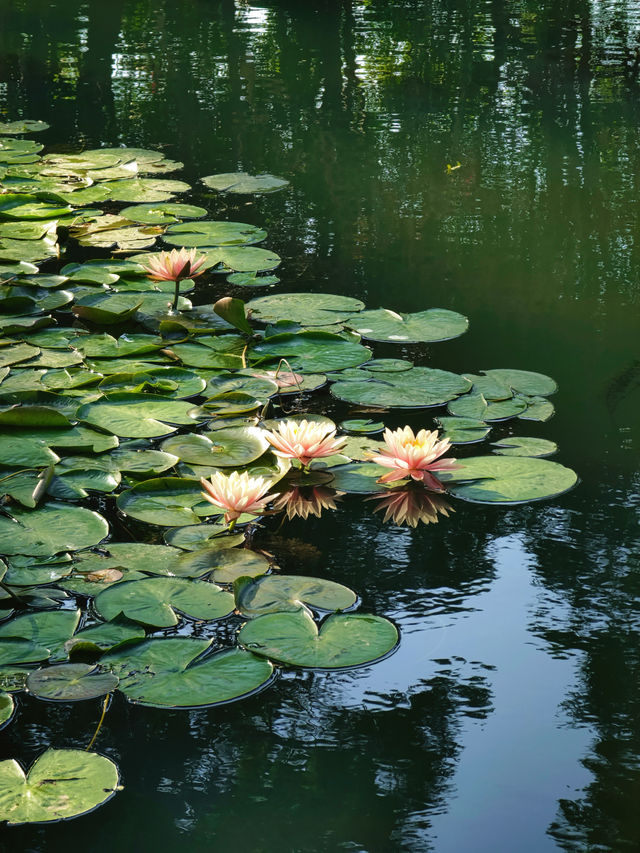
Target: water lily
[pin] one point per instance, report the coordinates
(305, 440)
(415, 456)
(236, 494)
(304, 502)
(175, 265)
(411, 506)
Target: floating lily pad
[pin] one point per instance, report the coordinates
(343, 640)
(243, 182)
(25, 206)
(107, 308)
(172, 674)
(492, 388)
(475, 406)
(280, 593)
(362, 426)
(195, 537)
(168, 501)
(163, 213)
(24, 125)
(507, 479)
(140, 460)
(7, 709)
(358, 478)
(14, 650)
(50, 528)
(209, 233)
(525, 381)
(517, 446)
(419, 387)
(105, 635)
(435, 324)
(155, 601)
(141, 190)
(463, 430)
(252, 279)
(308, 309)
(49, 629)
(313, 352)
(538, 409)
(221, 448)
(137, 415)
(70, 682)
(241, 259)
(61, 784)
(223, 565)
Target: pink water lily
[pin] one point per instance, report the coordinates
(415, 456)
(411, 506)
(304, 502)
(236, 494)
(175, 265)
(305, 440)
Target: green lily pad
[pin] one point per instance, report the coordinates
(107, 308)
(23, 125)
(525, 381)
(50, 528)
(172, 673)
(14, 650)
(70, 682)
(155, 601)
(475, 406)
(61, 784)
(343, 640)
(19, 449)
(210, 233)
(223, 565)
(138, 460)
(137, 415)
(538, 409)
(227, 353)
(138, 556)
(221, 448)
(281, 593)
(169, 381)
(435, 324)
(106, 635)
(362, 426)
(308, 309)
(195, 537)
(357, 478)
(241, 259)
(163, 213)
(78, 437)
(491, 387)
(313, 352)
(33, 571)
(7, 709)
(252, 279)
(517, 446)
(243, 182)
(507, 479)
(463, 430)
(25, 206)
(168, 501)
(48, 629)
(143, 190)
(417, 388)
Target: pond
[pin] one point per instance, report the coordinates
(481, 157)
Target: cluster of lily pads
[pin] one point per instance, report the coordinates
(111, 401)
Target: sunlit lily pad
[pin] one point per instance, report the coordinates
(210, 233)
(525, 381)
(241, 259)
(221, 448)
(538, 409)
(156, 601)
(463, 430)
(7, 709)
(223, 565)
(25, 206)
(143, 190)
(50, 528)
(196, 537)
(137, 415)
(312, 352)
(243, 182)
(435, 324)
(280, 593)
(162, 214)
(24, 125)
(168, 501)
(358, 478)
(475, 406)
(61, 784)
(107, 308)
(343, 640)
(70, 682)
(517, 446)
(49, 629)
(507, 479)
(362, 426)
(308, 309)
(14, 650)
(417, 388)
(173, 674)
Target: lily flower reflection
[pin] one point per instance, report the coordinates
(305, 440)
(237, 494)
(175, 265)
(415, 456)
(410, 506)
(306, 501)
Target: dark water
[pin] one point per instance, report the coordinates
(509, 720)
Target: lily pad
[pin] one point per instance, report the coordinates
(343, 640)
(50, 528)
(7, 709)
(313, 352)
(463, 430)
(220, 448)
(23, 125)
(49, 629)
(357, 478)
(507, 479)
(162, 214)
(61, 784)
(137, 415)
(141, 190)
(195, 537)
(538, 409)
(70, 682)
(243, 182)
(173, 674)
(517, 446)
(14, 650)
(362, 426)
(210, 233)
(525, 381)
(155, 601)
(241, 259)
(107, 308)
(168, 501)
(223, 565)
(308, 309)
(417, 388)
(475, 406)
(435, 324)
(280, 593)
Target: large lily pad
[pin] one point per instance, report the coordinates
(70, 682)
(49, 629)
(524, 446)
(308, 309)
(507, 479)
(61, 784)
(313, 352)
(343, 640)
(143, 190)
(279, 593)
(209, 233)
(171, 673)
(50, 528)
(476, 406)
(435, 324)
(137, 415)
(525, 381)
(417, 388)
(164, 213)
(223, 565)
(168, 501)
(234, 446)
(243, 182)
